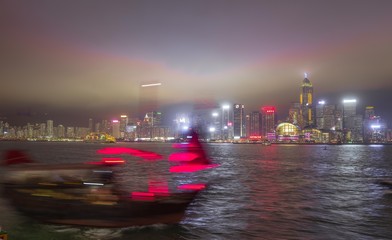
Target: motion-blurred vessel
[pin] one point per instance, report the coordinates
(87, 194)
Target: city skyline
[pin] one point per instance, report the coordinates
(73, 59)
(22, 118)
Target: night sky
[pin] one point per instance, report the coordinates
(71, 60)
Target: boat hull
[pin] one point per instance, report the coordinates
(122, 212)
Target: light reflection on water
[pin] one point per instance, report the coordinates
(260, 192)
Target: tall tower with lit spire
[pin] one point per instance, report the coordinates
(306, 102)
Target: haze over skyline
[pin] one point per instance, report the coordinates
(89, 58)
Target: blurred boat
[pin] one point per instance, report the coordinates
(87, 194)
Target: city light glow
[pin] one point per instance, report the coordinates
(322, 102)
(349, 100)
(152, 85)
(268, 109)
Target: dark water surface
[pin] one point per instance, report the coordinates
(258, 192)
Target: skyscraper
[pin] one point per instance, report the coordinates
(306, 101)
(90, 125)
(375, 128)
(226, 122)
(49, 128)
(239, 120)
(116, 129)
(369, 112)
(352, 122)
(294, 113)
(349, 112)
(267, 120)
(254, 124)
(326, 116)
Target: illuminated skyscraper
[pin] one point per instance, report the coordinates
(349, 112)
(294, 113)
(267, 120)
(116, 129)
(49, 128)
(306, 102)
(60, 131)
(375, 128)
(90, 124)
(352, 122)
(226, 122)
(328, 116)
(123, 122)
(369, 112)
(254, 126)
(239, 120)
(320, 119)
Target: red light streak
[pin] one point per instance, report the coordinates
(134, 152)
(109, 161)
(143, 196)
(183, 157)
(196, 187)
(113, 160)
(158, 187)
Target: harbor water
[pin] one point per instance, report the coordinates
(258, 192)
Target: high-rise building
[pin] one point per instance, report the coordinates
(42, 130)
(49, 128)
(369, 112)
(294, 113)
(123, 123)
(254, 126)
(116, 129)
(97, 127)
(268, 119)
(215, 127)
(239, 120)
(320, 115)
(352, 122)
(349, 112)
(90, 125)
(306, 101)
(375, 128)
(70, 132)
(151, 122)
(60, 131)
(226, 124)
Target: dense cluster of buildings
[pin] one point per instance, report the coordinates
(307, 122)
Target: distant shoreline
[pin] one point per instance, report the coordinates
(146, 142)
